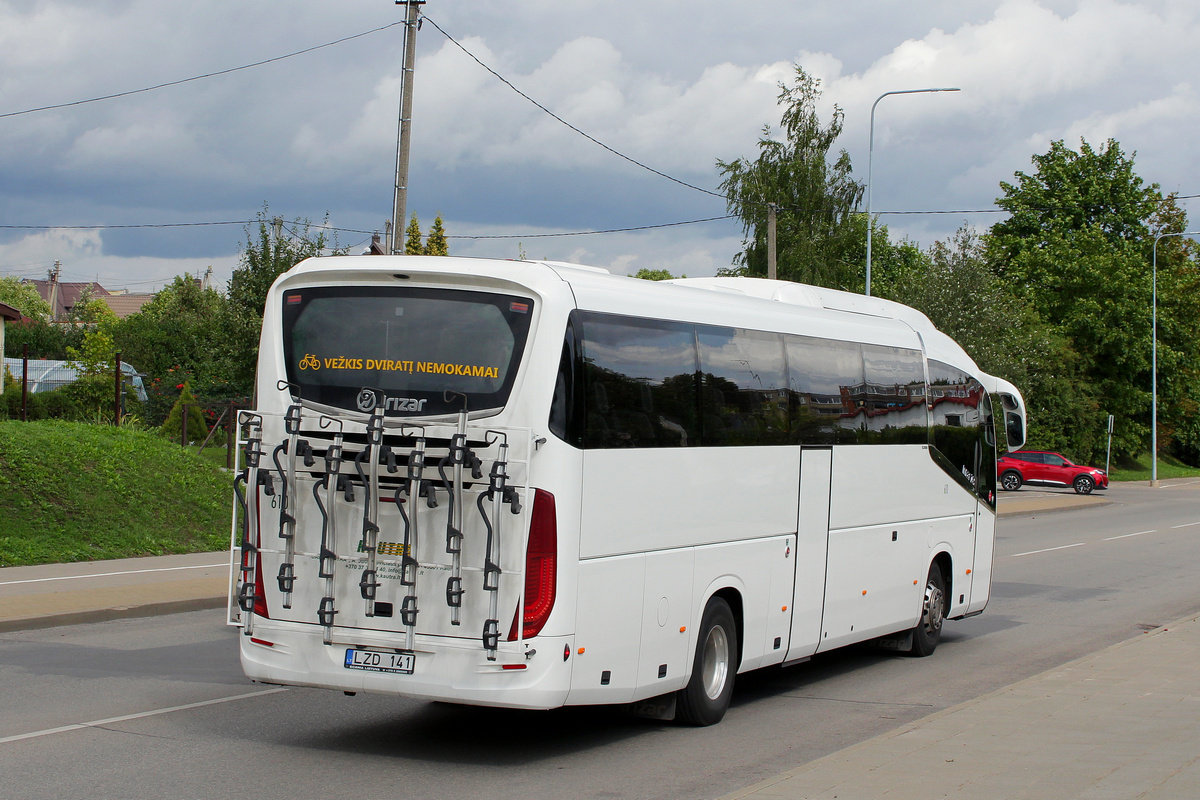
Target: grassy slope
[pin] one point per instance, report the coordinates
(75, 492)
(1140, 470)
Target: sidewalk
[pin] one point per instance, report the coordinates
(1121, 723)
(68, 594)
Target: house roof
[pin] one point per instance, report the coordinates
(125, 304)
(68, 294)
(9, 313)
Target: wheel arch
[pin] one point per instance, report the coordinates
(733, 598)
(946, 563)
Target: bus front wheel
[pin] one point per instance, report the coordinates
(705, 699)
(928, 632)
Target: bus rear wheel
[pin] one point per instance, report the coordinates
(705, 699)
(928, 632)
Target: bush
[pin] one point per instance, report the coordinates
(197, 429)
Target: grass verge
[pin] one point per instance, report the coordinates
(74, 491)
(1141, 469)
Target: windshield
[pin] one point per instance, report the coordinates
(414, 345)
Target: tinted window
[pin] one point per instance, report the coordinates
(566, 406)
(894, 395)
(413, 344)
(963, 437)
(640, 382)
(826, 380)
(743, 387)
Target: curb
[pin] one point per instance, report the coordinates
(106, 614)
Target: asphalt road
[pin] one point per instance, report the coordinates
(158, 707)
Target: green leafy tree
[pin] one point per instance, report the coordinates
(184, 329)
(90, 309)
(815, 193)
(435, 244)
(953, 284)
(648, 274)
(23, 297)
(412, 237)
(1076, 247)
(269, 251)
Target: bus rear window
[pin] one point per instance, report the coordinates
(414, 345)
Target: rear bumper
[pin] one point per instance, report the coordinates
(452, 670)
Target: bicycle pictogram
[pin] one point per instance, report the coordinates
(310, 362)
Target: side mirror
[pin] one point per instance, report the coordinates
(1015, 430)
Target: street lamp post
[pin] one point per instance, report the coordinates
(870, 158)
(1154, 353)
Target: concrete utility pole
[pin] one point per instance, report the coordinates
(771, 262)
(411, 25)
(54, 273)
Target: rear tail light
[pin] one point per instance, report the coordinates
(260, 589)
(541, 568)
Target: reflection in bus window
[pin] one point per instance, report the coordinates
(961, 418)
(640, 382)
(894, 395)
(743, 387)
(822, 374)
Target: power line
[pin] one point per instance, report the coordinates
(202, 77)
(592, 233)
(590, 138)
(512, 236)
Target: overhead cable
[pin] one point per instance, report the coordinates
(589, 137)
(206, 75)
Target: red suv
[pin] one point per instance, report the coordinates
(1037, 467)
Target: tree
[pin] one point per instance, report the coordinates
(435, 244)
(953, 285)
(655, 274)
(90, 309)
(817, 199)
(23, 297)
(412, 237)
(268, 253)
(1077, 248)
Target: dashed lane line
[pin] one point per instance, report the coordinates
(99, 723)
(1048, 549)
(1127, 535)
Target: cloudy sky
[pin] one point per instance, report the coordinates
(673, 84)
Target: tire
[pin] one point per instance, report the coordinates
(705, 699)
(1011, 480)
(928, 632)
(1084, 484)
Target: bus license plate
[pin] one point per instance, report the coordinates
(380, 661)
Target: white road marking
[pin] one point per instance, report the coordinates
(1185, 525)
(1127, 535)
(111, 574)
(1049, 549)
(97, 723)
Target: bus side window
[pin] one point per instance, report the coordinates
(825, 380)
(894, 381)
(640, 378)
(743, 395)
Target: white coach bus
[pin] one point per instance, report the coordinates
(534, 484)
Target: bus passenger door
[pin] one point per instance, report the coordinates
(812, 544)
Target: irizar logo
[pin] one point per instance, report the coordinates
(367, 401)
